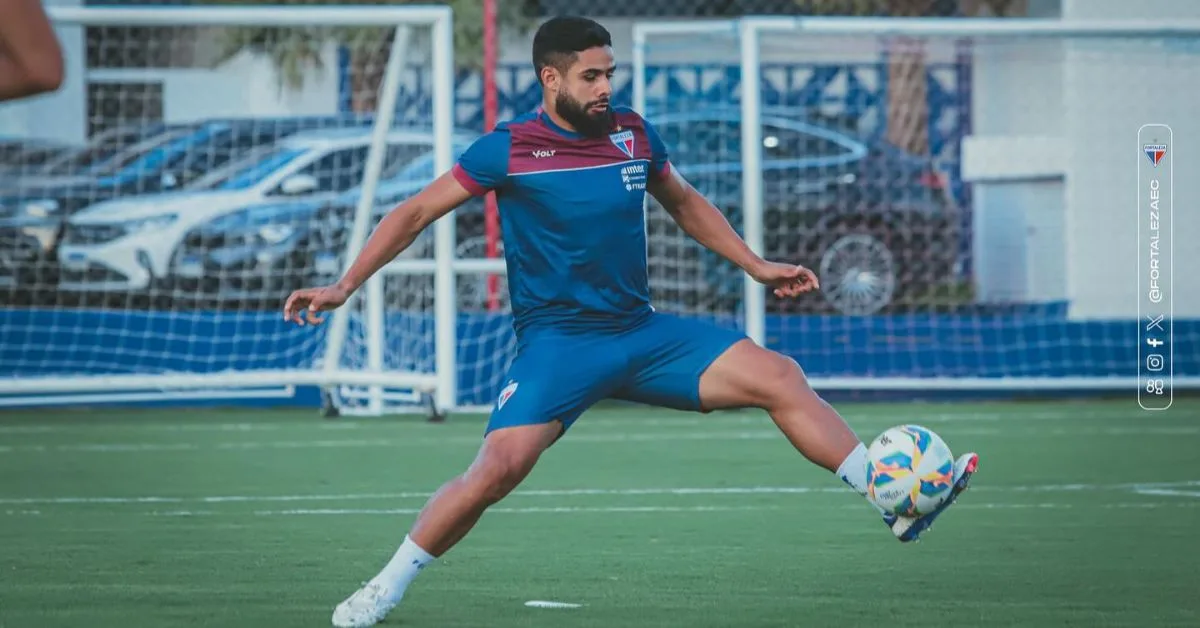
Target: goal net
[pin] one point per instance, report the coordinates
(687, 88)
(221, 158)
(964, 189)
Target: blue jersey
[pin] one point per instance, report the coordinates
(571, 210)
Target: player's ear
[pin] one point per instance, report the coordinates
(550, 77)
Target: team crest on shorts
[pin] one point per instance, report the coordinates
(505, 393)
(623, 141)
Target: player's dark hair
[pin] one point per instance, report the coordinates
(560, 40)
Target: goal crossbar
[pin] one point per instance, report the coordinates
(415, 14)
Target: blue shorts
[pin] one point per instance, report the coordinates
(556, 376)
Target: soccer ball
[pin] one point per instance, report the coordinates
(910, 471)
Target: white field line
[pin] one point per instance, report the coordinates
(576, 492)
(614, 437)
(1165, 492)
(627, 509)
(656, 509)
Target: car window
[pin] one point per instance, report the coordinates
(702, 141)
(247, 169)
(91, 157)
(339, 170)
(257, 169)
(77, 162)
(716, 141)
(406, 158)
(136, 155)
(408, 162)
(217, 152)
(781, 143)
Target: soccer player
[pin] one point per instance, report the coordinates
(31, 60)
(570, 180)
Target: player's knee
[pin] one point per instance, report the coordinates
(782, 381)
(498, 473)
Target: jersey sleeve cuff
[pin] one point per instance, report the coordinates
(467, 181)
(664, 171)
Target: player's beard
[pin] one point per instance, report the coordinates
(585, 122)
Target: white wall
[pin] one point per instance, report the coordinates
(246, 85)
(61, 115)
(1110, 90)
(249, 86)
(1054, 152)
(1016, 111)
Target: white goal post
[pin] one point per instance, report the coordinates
(1013, 122)
(350, 348)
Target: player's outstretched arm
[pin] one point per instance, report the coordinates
(708, 226)
(31, 60)
(396, 232)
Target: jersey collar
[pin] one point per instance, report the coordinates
(548, 121)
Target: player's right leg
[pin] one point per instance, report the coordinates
(551, 382)
(31, 59)
(506, 457)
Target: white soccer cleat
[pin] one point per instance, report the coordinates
(909, 529)
(365, 607)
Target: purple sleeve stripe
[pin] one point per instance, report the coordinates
(467, 181)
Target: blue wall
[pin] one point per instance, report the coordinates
(1021, 341)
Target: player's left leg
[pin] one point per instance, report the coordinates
(31, 59)
(691, 365)
(747, 375)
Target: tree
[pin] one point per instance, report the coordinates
(296, 50)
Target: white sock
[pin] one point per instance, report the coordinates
(853, 471)
(407, 562)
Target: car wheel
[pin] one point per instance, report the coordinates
(858, 274)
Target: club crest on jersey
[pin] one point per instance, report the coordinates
(1155, 153)
(623, 141)
(505, 393)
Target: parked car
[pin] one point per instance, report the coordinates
(874, 222)
(24, 155)
(143, 242)
(34, 210)
(256, 254)
(80, 159)
(877, 224)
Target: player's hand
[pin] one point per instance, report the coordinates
(311, 301)
(788, 280)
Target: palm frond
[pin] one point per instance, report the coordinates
(295, 51)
